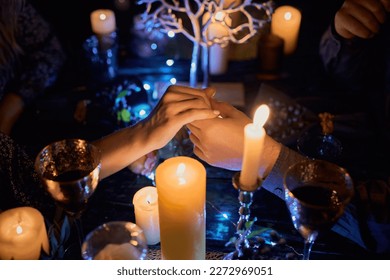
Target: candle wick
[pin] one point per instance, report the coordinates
(19, 229)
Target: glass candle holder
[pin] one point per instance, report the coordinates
(116, 240)
(101, 57)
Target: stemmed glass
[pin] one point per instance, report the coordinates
(69, 170)
(316, 194)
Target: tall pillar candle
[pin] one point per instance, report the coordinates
(218, 56)
(146, 213)
(285, 23)
(254, 135)
(102, 48)
(23, 234)
(181, 189)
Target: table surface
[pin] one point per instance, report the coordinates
(113, 197)
(113, 201)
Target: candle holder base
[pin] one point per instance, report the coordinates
(245, 250)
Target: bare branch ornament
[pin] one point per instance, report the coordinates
(207, 23)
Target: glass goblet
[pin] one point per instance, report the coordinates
(116, 240)
(316, 194)
(69, 170)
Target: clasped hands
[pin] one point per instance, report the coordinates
(216, 128)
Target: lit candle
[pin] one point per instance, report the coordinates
(146, 213)
(181, 188)
(285, 23)
(253, 146)
(22, 234)
(103, 21)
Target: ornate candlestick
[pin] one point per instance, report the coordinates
(244, 249)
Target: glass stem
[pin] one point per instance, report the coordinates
(309, 241)
(307, 249)
(76, 221)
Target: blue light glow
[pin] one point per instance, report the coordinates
(153, 46)
(193, 66)
(173, 81)
(142, 113)
(171, 34)
(147, 86)
(170, 62)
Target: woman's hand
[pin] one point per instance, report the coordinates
(178, 107)
(11, 107)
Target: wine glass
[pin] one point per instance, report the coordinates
(69, 170)
(116, 240)
(316, 194)
(315, 144)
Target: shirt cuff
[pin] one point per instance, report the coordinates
(274, 181)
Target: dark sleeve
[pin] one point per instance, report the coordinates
(348, 224)
(19, 183)
(354, 63)
(43, 56)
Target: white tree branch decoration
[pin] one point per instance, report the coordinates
(207, 22)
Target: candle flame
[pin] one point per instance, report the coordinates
(181, 168)
(261, 115)
(287, 15)
(102, 17)
(19, 230)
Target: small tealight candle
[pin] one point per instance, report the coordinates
(285, 23)
(146, 213)
(253, 146)
(23, 234)
(103, 21)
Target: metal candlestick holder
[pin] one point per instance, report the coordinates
(243, 249)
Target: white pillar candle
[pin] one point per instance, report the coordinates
(181, 188)
(218, 56)
(218, 59)
(22, 234)
(285, 23)
(254, 134)
(146, 213)
(103, 21)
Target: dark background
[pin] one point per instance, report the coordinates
(71, 20)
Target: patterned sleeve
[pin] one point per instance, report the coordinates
(274, 181)
(19, 183)
(43, 55)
